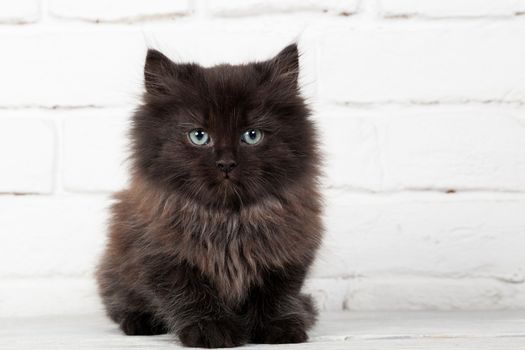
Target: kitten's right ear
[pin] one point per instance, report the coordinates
(157, 71)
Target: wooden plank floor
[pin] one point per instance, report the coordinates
(502, 330)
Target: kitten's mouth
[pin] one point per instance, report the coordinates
(228, 179)
(227, 176)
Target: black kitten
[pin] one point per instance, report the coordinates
(214, 237)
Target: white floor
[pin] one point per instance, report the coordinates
(350, 330)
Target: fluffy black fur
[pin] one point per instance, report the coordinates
(217, 254)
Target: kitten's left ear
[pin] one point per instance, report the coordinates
(286, 64)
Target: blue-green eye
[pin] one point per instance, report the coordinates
(252, 137)
(199, 137)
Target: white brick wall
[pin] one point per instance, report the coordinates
(419, 104)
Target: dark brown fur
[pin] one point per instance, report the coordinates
(218, 261)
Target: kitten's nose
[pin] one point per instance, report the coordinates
(226, 165)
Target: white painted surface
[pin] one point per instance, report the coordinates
(334, 331)
(409, 108)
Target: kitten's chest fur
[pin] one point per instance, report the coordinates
(233, 248)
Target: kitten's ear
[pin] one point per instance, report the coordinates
(286, 64)
(157, 71)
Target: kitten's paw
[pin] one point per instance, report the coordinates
(212, 334)
(141, 324)
(281, 332)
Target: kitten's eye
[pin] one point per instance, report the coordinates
(199, 137)
(252, 137)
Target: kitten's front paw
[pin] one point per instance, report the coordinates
(282, 332)
(141, 324)
(212, 334)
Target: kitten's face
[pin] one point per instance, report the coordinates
(226, 135)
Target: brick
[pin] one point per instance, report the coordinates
(423, 148)
(350, 148)
(56, 296)
(454, 149)
(118, 10)
(421, 62)
(27, 150)
(19, 11)
(379, 252)
(451, 8)
(95, 151)
(433, 293)
(95, 66)
(238, 41)
(232, 41)
(453, 236)
(258, 7)
(422, 234)
(46, 236)
(78, 295)
(78, 67)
